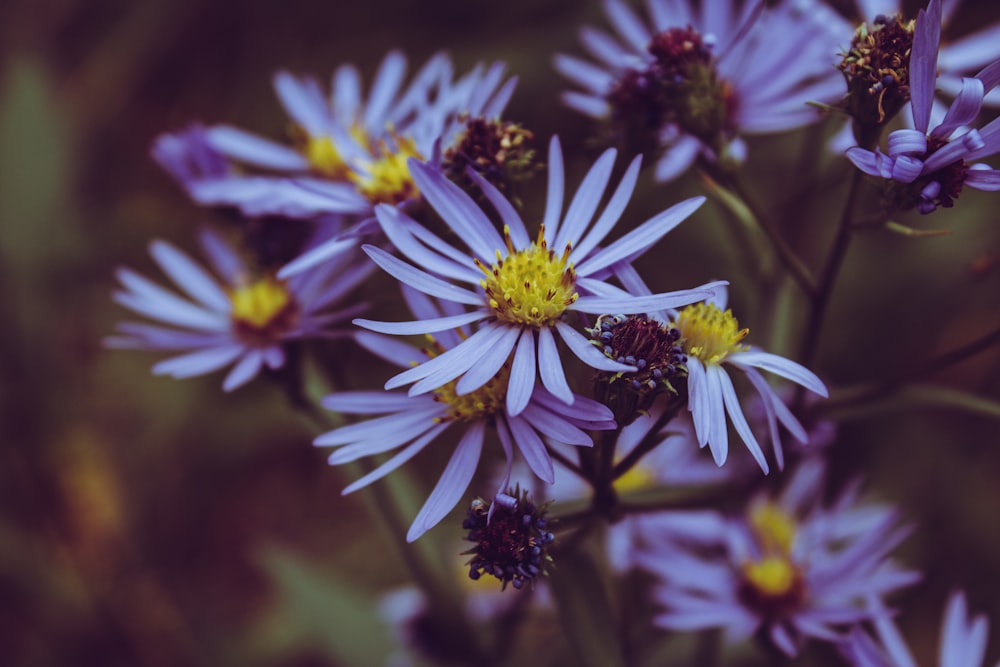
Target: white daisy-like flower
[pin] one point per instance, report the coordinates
(348, 152)
(243, 320)
(521, 289)
(712, 340)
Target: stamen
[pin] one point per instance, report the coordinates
(511, 541)
(708, 333)
(262, 311)
(532, 286)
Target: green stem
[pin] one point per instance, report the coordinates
(605, 499)
(894, 382)
(649, 441)
(566, 463)
(828, 277)
(740, 205)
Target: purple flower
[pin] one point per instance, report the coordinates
(934, 163)
(698, 79)
(956, 59)
(712, 340)
(520, 289)
(789, 570)
(414, 422)
(348, 153)
(963, 639)
(242, 320)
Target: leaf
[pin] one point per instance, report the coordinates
(585, 610)
(903, 230)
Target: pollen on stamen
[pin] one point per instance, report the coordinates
(532, 286)
(772, 582)
(483, 403)
(708, 333)
(386, 178)
(263, 310)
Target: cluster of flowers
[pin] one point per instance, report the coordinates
(418, 180)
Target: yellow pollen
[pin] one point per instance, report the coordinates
(773, 527)
(772, 576)
(386, 178)
(481, 403)
(708, 333)
(325, 158)
(262, 308)
(533, 286)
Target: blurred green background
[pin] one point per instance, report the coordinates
(146, 521)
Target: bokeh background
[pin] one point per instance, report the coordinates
(152, 522)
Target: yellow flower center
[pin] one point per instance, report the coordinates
(532, 286)
(325, 158)
(386, 178)
(263, 309)
(773, 583)
(708, 333)
(772, 576)
(482, 403)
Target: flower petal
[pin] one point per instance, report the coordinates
(588, 196)
(522, 373)
(550, 367)
(421, 280)
(458, 210)
(532, 449)
(782, 367)
(453, 483)
(587, 352)
(421, 326)
(641, 238)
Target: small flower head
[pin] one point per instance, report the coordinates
(345, 153)
(500, 151)
(246, 320)
(695, 78)
(876, 68)
(511, 539)
(789, 570)
(712, 340)
(263, 310)
(648, 345)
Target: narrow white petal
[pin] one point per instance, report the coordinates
(587, 352)
(783, 367)
(522, 373)
(421, 280)
(453, 483)
(732, 403)
(397, 460)
(189, 276)
(550, 366)
(244, 370)
(554, 197)
(588, 196)
(421, 326)
(532, 449)
(641, 238)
